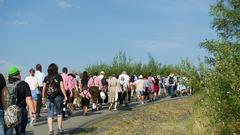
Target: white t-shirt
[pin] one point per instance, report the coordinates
(32, 82)
(123, 79)
(40, 77)
(139, 85)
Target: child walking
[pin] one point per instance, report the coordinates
(86, 96)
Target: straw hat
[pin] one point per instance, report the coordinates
(140, 77)
(102, 72)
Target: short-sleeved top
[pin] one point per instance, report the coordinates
(32, 82)
(139, 85)
(58, 78)
(23, 91)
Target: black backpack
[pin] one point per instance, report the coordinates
(171, 80)
(104, 81)
(52, 87)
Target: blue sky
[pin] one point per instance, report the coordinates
(76, 33)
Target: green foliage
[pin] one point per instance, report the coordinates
(123, 63)
(223, 79)
(195, 74)
(227, 19)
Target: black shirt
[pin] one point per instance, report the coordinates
(23, 91)
(58, 78)
(2, 85)
(2, 82)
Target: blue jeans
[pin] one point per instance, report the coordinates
(1, 121)
(39, 101)
(21, 128)
(171, 88)
(55, 104)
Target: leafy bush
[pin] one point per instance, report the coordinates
(222, 83)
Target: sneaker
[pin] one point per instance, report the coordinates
(51, 132)
(31, 122)
(60, 132)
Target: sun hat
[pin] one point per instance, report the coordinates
(13, 70)
(102, 72)
(124, 72)
(140, 77)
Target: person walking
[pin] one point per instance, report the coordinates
(3, 94)
(94, 85)
(124, 85)
(40, 77)
(23, 98)
(33, 84)
(113, 86)
(66, 83)
(86, 96)
(140, 88)
(171, 81)
(53, 96)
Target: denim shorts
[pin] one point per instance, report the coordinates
(139, 93)
(1, 121)
(34, 94)
(55, 105)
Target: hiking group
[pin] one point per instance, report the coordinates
(62, 93)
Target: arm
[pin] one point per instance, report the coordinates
(100, 83)
(4, 93)
(63, 90)
(30, 104)
(43, 93)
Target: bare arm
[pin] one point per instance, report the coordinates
(4, 93)
(63, 90)
(43, 90)
(30, 105)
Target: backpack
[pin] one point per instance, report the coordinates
(12, 115)
(52, 88)
(104, 81)
(122, 80)
(171, 80)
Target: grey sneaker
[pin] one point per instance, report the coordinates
(51, 132)
(60, 132)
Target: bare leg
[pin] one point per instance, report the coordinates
(50, 121)
(59, 121)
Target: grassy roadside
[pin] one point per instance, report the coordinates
(166, 118)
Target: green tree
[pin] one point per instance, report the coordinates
(223, 82)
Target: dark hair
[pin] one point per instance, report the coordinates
(71, 74)
(85, 74)
(95, 73)
(39, 67)
(84, 79)
(52, 69)
(64, 70)
(32, 71)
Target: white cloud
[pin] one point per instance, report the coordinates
(156, 46)
(63, 3)
(18, 22)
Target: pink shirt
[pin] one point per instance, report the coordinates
(65, 81)
(95, 81)
(72, 83)
(85, 94)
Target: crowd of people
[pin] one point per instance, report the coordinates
(61, 93)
